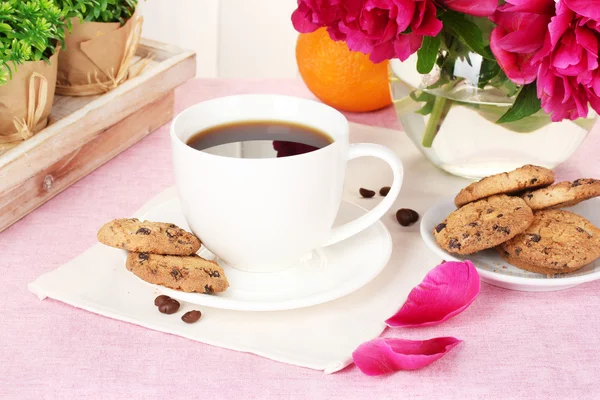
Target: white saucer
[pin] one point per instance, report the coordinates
(496, 271)
(332, 272)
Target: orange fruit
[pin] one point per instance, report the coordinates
(344, 79)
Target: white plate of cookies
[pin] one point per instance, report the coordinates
(522, 230)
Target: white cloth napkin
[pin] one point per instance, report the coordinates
(321, 337)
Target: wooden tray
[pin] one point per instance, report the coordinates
(86, 132)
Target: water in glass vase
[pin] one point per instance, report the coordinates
(468, 142)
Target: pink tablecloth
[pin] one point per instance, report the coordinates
(517, 345)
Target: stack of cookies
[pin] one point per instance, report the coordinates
(164, 254)
(518, 213)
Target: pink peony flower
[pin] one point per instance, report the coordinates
(555, 43)
(379, 28)
(568, 77)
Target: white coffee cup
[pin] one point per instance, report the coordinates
(262, 215)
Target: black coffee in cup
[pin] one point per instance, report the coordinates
(287, 139)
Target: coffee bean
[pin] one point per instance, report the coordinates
(366, 193)
(143, 231)
(384, 190)
(161, 299)
(170, 306)
(415, 215)
(406, 216)
(191, 316)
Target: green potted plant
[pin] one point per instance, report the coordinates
(31, 34)
(101, 39)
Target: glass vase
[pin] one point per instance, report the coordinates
(452, 121)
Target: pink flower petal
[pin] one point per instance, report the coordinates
(302, 19)
(446, 291)
(587, 8)
(480, 8)
(529, 6)
(384, 355)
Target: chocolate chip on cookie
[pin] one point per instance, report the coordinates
(186, 273)
(556, 242)
(519, 180)
(563, 194)
(483, 224)
(148, 237)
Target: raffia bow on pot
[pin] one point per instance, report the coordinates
(26, 101)
(99, 57)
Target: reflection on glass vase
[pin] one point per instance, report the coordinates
(453, 121)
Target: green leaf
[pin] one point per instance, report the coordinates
(427, 108)
(99, 10)
(489, 70)
(428, 98)
(467, 31)
(526, 104)
(428, 54)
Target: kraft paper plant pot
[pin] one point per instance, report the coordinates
(26, 101)
(97, 56)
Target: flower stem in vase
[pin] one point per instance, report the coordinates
(441, 107)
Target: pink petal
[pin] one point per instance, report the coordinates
(529, 6)
(446, 291)
(529, 33)
(405, 45)
(384, 355)
(520, 68)
(429, 25)
(587, 8)
(560, 23)
(480, 8)
(302, 19)
(594, 101)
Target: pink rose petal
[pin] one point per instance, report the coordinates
(446, 291)
(384, 355)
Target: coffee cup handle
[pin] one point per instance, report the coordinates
(360, 224)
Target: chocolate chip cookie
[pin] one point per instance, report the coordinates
(557, 242)
(483, 224)
(519, 180)
(563, 194)
(186, 273)
(148, 237)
